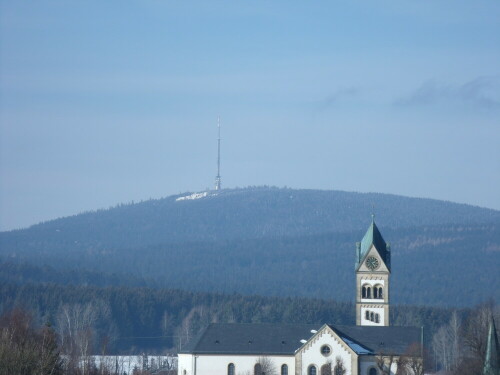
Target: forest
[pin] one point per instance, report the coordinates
(268, 241)
(76, 322)
(148, 276)
(454, 266)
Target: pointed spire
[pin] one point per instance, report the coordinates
(373, 237)
(492, 358)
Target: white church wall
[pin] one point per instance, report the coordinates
(375, 310)
(312, 355)
(190, 364)
(367, 363)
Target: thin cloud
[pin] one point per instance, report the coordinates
(481, 92)
(337, 96)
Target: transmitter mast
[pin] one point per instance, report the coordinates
(217, 178)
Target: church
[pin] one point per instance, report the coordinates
(371, 347)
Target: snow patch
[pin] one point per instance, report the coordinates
(192, 196)
(129, 364)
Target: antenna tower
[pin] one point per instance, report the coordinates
(217, 178)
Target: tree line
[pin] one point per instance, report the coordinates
(28, 347)
(131, 320)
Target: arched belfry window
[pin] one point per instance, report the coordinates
(377, 292)
(230, 369)
(257, 370)
(372, 371)
(368, 292)
(363, 292)
(284, 370)
(312, 370)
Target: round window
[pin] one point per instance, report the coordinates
(326, 350)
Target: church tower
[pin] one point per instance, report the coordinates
(373, 268)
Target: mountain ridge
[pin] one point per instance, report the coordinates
(351, 210)
(280, 242)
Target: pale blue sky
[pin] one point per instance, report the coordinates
(103, 102)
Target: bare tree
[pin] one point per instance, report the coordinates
(76, 326)
(25, 349)
(441, 345)
(326, 369)
(265, 366)
(459, 347)
(412, 361)
(339, 368)
(454, 329)
(384, 362)
(477, 330)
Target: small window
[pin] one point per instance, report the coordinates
(284, 370)
(376, 318)
(311, 370)
(326, 350)
(372, 317)
(372, 371)
(367, 315)
(368, 292)
(230, 369)
(363, 292)
(257, 370)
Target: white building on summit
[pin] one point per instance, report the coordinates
(370, 348)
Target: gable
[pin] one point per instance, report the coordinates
(332, 337)
(311, 353)
(366, 340)
(373, 237)
(372, 251)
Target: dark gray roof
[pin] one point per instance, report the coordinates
(284, 339)
(255, 338)
(376, 340)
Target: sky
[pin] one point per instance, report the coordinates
(107, 102)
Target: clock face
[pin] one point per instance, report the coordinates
(372, 263)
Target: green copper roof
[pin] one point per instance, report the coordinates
(373, 237)
(492, 359)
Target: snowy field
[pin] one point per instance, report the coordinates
(125, 364)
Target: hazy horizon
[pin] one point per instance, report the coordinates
(108, 103)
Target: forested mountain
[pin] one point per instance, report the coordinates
(269, 241)
(239, 214)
